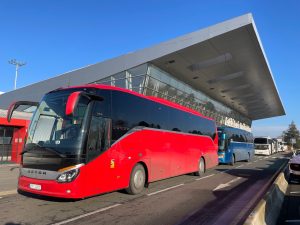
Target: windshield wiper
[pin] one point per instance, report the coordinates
(56, 152)
(37, 146)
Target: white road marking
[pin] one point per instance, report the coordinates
(154, 193)
(255, 161)
(220, 186)
(10, 192)
(274, 157)
(205, 177)
(295, 192)
(249, 163)
(239, 166)
(87, 214)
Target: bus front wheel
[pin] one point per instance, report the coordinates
(137, 180)
(201, 168)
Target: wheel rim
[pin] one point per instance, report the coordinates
(138, 179)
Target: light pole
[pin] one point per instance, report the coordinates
(17, 64)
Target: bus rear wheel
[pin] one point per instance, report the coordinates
(137, 180)
(249, 158)
(201, 168)
(232, 160)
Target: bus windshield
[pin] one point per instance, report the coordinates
(260, 141)
(52, 130)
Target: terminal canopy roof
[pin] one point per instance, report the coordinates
(225, 61)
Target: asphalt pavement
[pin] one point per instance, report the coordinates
(223, 196)
(8, 178)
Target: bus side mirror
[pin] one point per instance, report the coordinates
(72, 102)
(74, 98)
(15, 105)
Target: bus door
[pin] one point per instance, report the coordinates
(232, 149)
(98, 159)
(99, 137)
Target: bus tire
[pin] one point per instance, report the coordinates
(248, 159)
(137, 180)
(201, 168)
(232, 160)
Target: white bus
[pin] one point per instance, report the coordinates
(263, 146)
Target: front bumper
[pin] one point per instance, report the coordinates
(49, 188)
(261, 152)
(223, 157)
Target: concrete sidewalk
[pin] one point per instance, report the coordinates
(8, 179)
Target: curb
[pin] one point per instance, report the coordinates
(268, 209)
(9, 192)
(9, 165)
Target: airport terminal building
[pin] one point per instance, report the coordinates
(221, 71)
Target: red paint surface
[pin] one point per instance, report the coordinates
(20, 133)
(164, 154)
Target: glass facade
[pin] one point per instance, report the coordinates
(149, 80)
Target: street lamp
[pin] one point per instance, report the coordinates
(17, 64)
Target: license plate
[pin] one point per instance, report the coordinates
(221, 156)
(35, 186)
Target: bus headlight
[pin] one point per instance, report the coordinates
(68, 176)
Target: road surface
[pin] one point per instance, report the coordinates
(225, 195)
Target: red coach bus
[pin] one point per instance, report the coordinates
(92, 139)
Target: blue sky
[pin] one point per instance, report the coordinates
(54, 37)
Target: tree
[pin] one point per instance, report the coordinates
(292, 132)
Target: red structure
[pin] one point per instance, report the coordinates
(15, 143)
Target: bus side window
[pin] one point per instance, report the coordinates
(242, 138)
